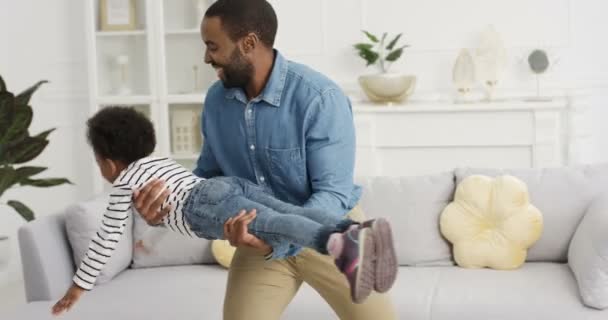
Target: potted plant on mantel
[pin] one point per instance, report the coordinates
(384, 86)
(16, 148)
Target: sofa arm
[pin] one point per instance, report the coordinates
(588, 254)
(46, 258)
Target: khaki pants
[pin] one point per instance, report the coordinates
(261, 290)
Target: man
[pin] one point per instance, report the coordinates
(290, 130)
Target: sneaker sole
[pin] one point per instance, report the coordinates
(386, 259)
(364, 284)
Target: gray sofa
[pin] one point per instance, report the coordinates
(429, 285)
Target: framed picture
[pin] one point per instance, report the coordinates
(117, 15)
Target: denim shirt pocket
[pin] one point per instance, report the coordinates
(287, 167)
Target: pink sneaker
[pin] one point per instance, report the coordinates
(386, 267)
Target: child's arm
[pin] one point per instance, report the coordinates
(101, 247)
(104, 241)
(68, 300)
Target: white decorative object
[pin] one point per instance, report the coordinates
(185, 131)
(463, 74)
(4, 251)
(491, 60)
(122, 61)
(196, 85)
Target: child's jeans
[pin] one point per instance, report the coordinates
(214, 200)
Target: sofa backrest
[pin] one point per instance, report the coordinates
(413, 206)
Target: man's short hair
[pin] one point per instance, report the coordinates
(241, 17)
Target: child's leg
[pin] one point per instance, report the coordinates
(257, 194)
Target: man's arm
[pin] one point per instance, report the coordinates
(330, 152)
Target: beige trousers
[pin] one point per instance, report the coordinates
(260, 290)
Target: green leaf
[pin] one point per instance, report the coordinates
(2, 85)
(18, 129)
(7, 178)
(24, 151)
(24, 97)
(7, 111)
(395, 54)
(26, 172)
(393, 42)
(370, 56)
(44, 134)
(44, 183)
(363, 46)
(22, 209)
(371, 37)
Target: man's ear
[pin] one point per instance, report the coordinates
(250, 42)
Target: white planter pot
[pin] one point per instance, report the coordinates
(387, 87)
(4, 251)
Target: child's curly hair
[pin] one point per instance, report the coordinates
(121, 133)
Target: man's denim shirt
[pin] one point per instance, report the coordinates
(296, 140)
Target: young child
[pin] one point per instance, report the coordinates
(123, 139)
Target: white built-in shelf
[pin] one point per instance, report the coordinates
(447, 106)
(184, 156)
(182, 32)
(125, 100)
(121, 33)
(195, 98)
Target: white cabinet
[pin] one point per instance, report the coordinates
(429, 137)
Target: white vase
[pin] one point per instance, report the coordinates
(387, 87)
(4, 251)
(463, 74)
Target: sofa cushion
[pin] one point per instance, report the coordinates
(562, 195)
(82, 220)
(491, 222)
(535, 291)
(159, 246)
(413, 206)
(588, 254)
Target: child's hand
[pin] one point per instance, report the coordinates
(68, 300)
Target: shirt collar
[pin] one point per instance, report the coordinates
(273, 91)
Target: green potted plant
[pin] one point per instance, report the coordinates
(18, 147)
(384, 86)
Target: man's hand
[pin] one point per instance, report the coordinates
(149, 199)
(68, 300)
(235, 231)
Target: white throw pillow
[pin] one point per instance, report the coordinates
(413, 206)
(82, 220)
(159, 246)
(588, 254)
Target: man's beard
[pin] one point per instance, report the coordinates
(238, 72)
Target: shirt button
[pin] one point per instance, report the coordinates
(250, 110)
(262, 179)
(252, 147)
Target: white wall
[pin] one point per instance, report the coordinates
(45, 40)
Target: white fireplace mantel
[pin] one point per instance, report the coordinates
(429, 137)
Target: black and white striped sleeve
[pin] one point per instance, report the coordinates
(105, 240)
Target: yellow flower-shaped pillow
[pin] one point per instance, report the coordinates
(491, 222)
(222, 252)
